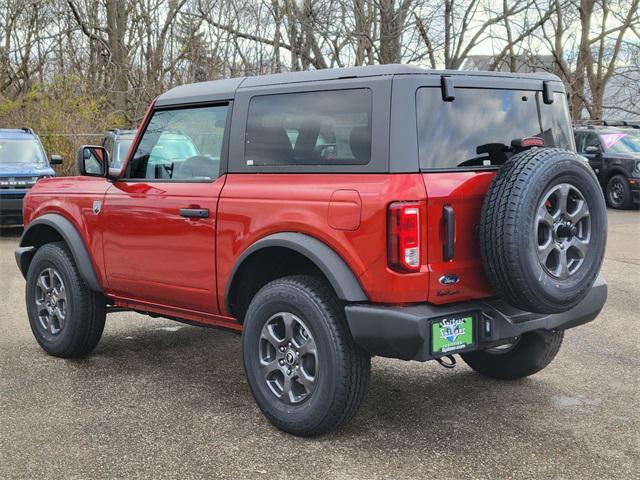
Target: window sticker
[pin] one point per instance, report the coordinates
(611, 138)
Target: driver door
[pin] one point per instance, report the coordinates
(160, 219)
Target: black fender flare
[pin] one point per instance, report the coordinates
(29, 244)
(334, 268)
(613, 171)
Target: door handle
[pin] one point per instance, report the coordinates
(449, 232)
(194, 212)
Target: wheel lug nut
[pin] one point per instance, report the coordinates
(289, 372)
(281, 362)
(282, 349)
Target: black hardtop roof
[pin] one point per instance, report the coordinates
(226, 88)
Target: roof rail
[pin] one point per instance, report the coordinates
(591, 124)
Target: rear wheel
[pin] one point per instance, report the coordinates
(304, 369)
(619, 193)
(66, 317)
(526, 355)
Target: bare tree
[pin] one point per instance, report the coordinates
(587, 40)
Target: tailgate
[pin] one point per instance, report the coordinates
(462, 277)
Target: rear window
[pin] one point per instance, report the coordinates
(458, 134)
(310, 128)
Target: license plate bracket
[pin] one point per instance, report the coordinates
(453, 333)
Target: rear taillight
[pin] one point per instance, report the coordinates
(403, 237)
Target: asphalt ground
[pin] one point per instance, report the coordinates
(159, 399)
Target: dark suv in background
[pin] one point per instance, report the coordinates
(172, 145)
(22, 163)
(117, 143)
(613, 151)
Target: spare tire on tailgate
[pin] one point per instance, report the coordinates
(543, 230)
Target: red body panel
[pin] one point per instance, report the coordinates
(253, 206)
(465, 192)
(155, 255)
(72, 197)
(149, 258)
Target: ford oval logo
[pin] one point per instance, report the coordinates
(449, 279)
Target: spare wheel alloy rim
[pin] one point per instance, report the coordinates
(288, 358)
(563, 230)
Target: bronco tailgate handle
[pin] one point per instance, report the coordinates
(449, 232)
(194, 212)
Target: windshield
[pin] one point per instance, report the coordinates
(621, 142)
(475, 129)
(27, 151)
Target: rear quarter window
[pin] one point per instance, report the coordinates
(309, 128)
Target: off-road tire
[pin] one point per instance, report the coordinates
(619, 182)
(509, 239)
(85, 309)
(532, 352)
(343, 366)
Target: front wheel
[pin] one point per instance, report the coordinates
(304, 369)
(619, 193)
(66, 317)
(526, 355)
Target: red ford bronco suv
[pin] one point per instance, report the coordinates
(331, 216)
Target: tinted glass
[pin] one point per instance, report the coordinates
(591, 140)
(450, 133)
(21, 151)
(182, 144)
(120, 152)
(311, 128)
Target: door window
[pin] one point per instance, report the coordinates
(580, 142)
(182, 144)
(592, 140)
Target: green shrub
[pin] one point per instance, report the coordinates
(64, 113)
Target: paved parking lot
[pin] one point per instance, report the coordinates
(159, 399)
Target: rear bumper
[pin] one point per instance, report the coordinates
(11, 209)
(404, 332)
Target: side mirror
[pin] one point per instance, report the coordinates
(55, 160)
(92, 161)
(592, 150)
